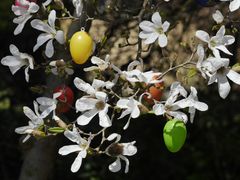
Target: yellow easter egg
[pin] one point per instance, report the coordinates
(81, 46)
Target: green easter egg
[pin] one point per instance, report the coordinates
(174, 135)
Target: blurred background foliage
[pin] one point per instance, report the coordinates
(211, 151)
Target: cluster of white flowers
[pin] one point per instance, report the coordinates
(122, 92)
(171, 107)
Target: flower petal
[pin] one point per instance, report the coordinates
(113, 136)
(41, 26)
(162, 40)
(224, 49)
(147, 26)
(165, 26)
(83, 86)
(60, 37)
(77, 163)
(21, 25)
(42, 38)
(26, 74)
(179, 115)
(202, 35)
(127, 163)
(115, 166)
(218, 17)
(234, 5)
(86, 117)
(156, 19)
(33, 7)
(124, 113)
(159, 109)
(144, 34)
(84, 104)
(104, 119)
(129, 149)
(220, 33)
(14, 50)
(151, 38)
(223, 86)
(52, 18)
(234, 76)
(12, 61)
(228, 40)
(49, 51)
(22, 130)
(122, 103)
(65, 150)
(135, 112)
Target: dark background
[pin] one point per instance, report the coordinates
(211, 151)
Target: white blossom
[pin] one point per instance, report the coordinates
(169, 107)
(94, 104)
(234, 5)
(36, 120)
(131, 107)
(18, 60)
(102, 65)
(218, 17)
(78, 4)
(120, 151)
(135, 75)
(217, 42)
(218, 71)
(49, 104)
(50, 33)
(24, 14)
(192, 103)
(80, 147)
(154, 30)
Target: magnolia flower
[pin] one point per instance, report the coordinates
(90, 108)
(218, 17)
(81, 148)
(49, 104)
(50, 33)
(78, 4)
(24, 13)
(120, 151)
(169, 108)
(234, 5)
(94, 89)
(218, 71)
(217, 42)
(154, 30)
(135, 75)
(17, 61)
(102, 65)
(60, 66)
(94, 104)
(130, 106)
(192, 103)
(36, 120)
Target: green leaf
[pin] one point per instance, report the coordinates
(56, 130)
